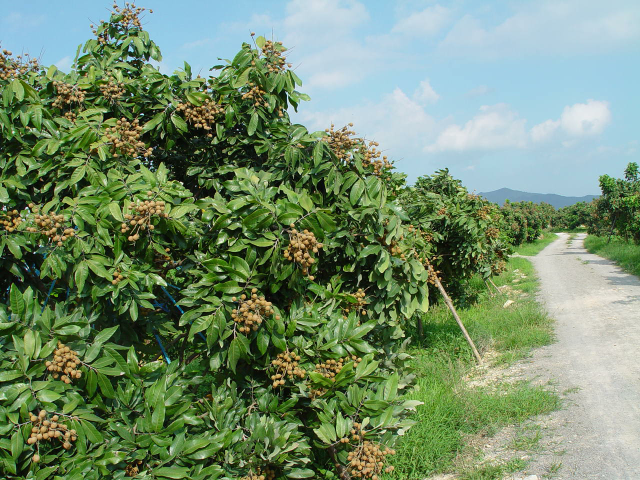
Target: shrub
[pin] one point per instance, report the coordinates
(222, 278)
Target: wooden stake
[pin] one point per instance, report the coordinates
(491, 294)
(494, 286)
(449, 303)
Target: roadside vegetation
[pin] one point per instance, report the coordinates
(626, 254)
(453, 408)
(535, 247)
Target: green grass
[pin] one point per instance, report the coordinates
(453, 411)
(625, 254)
(530, 249)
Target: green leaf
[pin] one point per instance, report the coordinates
(172, 472)
(78, 174)
(253, 124)
(229, 287)
(81, 274)
(179, 123)
(356, 192)
(242, 79)
(48, 395)
(157, 418)
(326, 433)
(263, 341)
(10, 375)
(256, 218)
(17, 444)
(16, 300)
(238, 349)
(154, 122)
(105, 386)
(115, 210)
(105, 335)
(93, 435)
(326, 222)
(301, 473)
(29, 343)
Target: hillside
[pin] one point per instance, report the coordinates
(558, 201)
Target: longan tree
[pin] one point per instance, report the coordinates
(193, 286)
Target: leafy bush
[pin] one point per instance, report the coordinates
(617, 211)
(464, 232)
(526, 220)
(574, 216)
(222, 278)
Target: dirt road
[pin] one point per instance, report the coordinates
(595, 361)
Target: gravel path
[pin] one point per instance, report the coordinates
(595, 361)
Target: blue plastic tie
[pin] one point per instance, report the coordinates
(164, 352)
(180, 309)
(48, 295)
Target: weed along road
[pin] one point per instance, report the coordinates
(595, 360)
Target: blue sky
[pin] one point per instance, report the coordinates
(532, 95)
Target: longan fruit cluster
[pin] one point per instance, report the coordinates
(45, 430)
(251, 311)
(112, 90)
(371, 156)
(140, 220)
(201, 116)
(367, 460)
(10, 220)
(484, 212)
(498, 267)
(102, 37)
(117, 277)
(433, 278)
(132, 469)
(442, 211)
(65, 364)
(14, 67)
(264, 473)
(125, 137)
(276, 61)
(286, 364)
(256, 95)
(341, 142)
(492, 232)
(395, 249)
(129, 15)
(300, 244)
(359, 307)
(67, 94)
(71, 116)
(330, 368)
(52, 226)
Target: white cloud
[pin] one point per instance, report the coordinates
(425, 93)
(549, 27)
(399, 123)
(429, 22)
(495, 127)
(589, 118)
(544, 131)
(578, 120)
(322, 21)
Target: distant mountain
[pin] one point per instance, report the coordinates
(558, 201)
